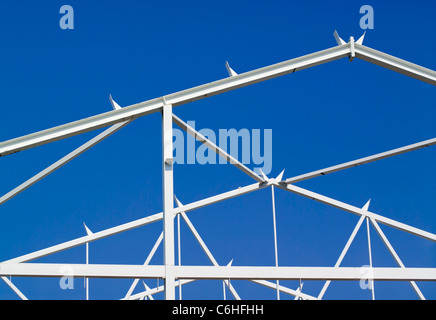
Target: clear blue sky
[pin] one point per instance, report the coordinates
(326, 115)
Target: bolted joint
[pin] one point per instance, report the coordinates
(353, 52)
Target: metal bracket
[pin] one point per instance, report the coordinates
(353, 52)
(169, 161)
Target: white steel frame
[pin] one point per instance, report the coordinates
(178, 275)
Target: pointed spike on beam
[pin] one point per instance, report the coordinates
(366, 206)
(146, 289)
(263, 175)
(230, 263)
(115, 105)
(280, 176)
(360, 40)
(231, 72)
(88, 232)
(299, 290)
(338, 38)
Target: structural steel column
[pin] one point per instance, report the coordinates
(168, 200)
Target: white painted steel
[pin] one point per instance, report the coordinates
(199, 137)
(119, 117)
(343, 253)
(296, 293)
(150, 292)
(395, 64)
(44, 173)
(216, 272)
(205, 248)
(361, 161)
(217, 87)
(168, 201)
(135, 224)
(276, 255)
(370, 282)
(14, 288)
(395, 256)
(147, 261)
(265, 283)
(179, 250)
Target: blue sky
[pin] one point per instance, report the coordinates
(322, 116)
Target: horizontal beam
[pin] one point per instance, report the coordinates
(135, 224)
(175, 99)
(216, 272)
(393, 63)
(361, 161)
(358, 211)
(306, 273)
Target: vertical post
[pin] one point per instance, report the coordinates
(275, 237)
(168, 200)
(86, 278)
(370, 282)
(179, 252)
(224, 291)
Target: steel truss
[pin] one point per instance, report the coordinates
(178, 275)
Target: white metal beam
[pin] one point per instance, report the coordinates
(364, 160)
(175, 99)
(309, 273)
(213, 88)
(343, 253)
(157, 289)
(217, 272)
(147, 261)
(370, 282)
(264, 283)
(205, 248)
(393, 63)
(14, 288)
(395, 256)
(276, 255)
(295, 293)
